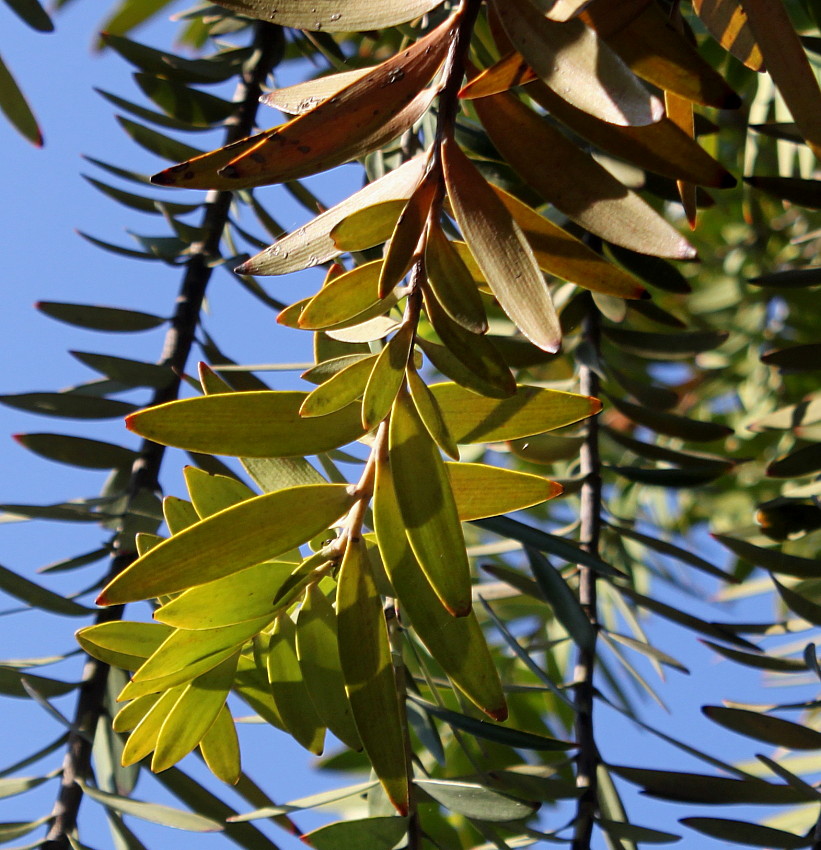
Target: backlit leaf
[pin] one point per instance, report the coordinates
(241, 536)
(289, 689)
(318, 652)
(339, 390)
(313, 243)
(727, 21)
(472, 418)
(367, 227)
(480, 490)
(428, 509)
(122, 644)
(501, 250)
(363, 116)
(475, 801)
(329, 16)
(375, 833)
(572, 60)
(211, 494)
(575, 183)
(387, 376)
(364, 651)
(220, 748)
(302, 97)
(246, 424)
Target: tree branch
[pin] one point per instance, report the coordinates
(591, 501)
(268, 45)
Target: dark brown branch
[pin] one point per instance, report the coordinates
(267, 44)
(591, 500)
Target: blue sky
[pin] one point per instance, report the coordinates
(46, 201)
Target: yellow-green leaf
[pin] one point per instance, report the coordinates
(236, 598)
(472, 418)
(211, 494)
(318, 652)
(452, 283)
(481, 491)
(144, 737)
(247, 424)
(347, 300)
(340, 389)
(220, 748)
(133, 712)
(178, 514)
(387, 377)
(457, 643)
(574, 62)
(428, 409)
(428, 509)
(367, 227)
(364, 651)
(246, 534)
(501, 250)
(122, 643)
(288, 688)
(193, 714)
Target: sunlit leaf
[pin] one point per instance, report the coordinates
(572, 60)
(375, 833)
(364, 651)
(475, 801)
(246, 424)
(727, 21)
(326, 15)
(241, 536)
(501, 250)
(340, 389)
(220, 748)
(387, 376)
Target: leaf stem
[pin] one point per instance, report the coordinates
(587, 760)
(268, 45)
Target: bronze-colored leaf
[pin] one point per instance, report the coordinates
(727, 22)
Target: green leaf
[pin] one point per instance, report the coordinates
(109, 319)
(377, 833)
(367, 227)
(140, 202)
(11, 684)
(15, 107)
(364, 651)
(481, 491)
(387, 377)
(244, 595)
(799, 604)
(157, 143)
(16, 829)
(78, 451)
(763, 727)
(182, 102)
(703, 788)
(12, 787)
(671, 424)
(220, 748)
(501, 250)
(318, 652)
(72, 405)
(38, 597)
(428, 409)
(472, 418)
(565, 605)
(340, 389)
(131, 373)
(428, 509)
(656, 346)
(241, 536)
(475, 801)
(347, 300)
(493, 732)
(741, 832)
(247, 424)
(193, 714)
(633, 832)
(211, 494)
(153, 812)
(803, 461)
(457, 643)
(122, 644)
(771, 559)
(32, 13)
(759, 661)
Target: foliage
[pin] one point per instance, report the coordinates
(513, 265)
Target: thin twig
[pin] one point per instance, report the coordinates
(591, 501)
(267, 44)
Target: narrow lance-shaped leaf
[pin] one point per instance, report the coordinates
(728, 23)
(764, 727)
(330, 16)
(457, 643)
(501, 250)
(571, 59)
(247, 424)
(313, 243)
(332, 133)
(743, 832)
(575, 183)
(364, 651)
(220, 748)
(387, 377)
(294, 703)
(15, 107)
(427, 507)
(241, 536)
